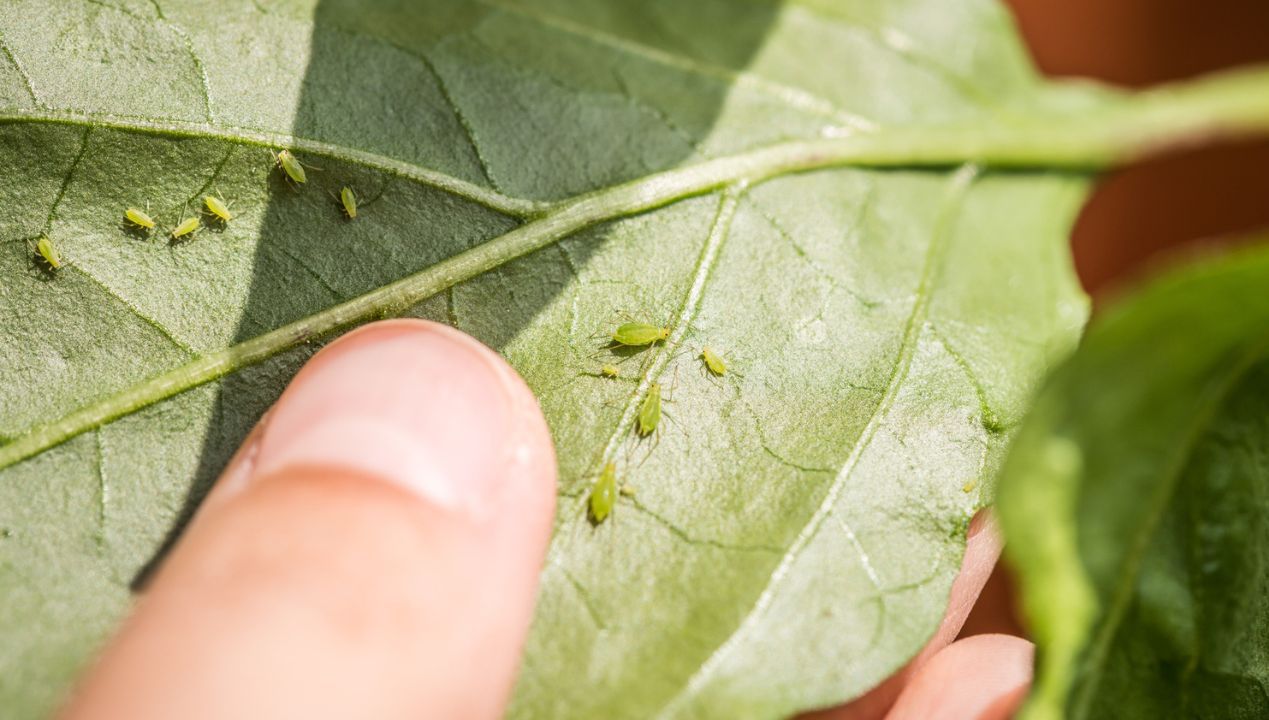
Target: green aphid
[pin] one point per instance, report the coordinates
(649, 412)
(187, 227)
(349, 201)
(604, 494)
(713, 362)
(290, 165)
(139, 218)
(627, 490)
(637, 334)
(50, 253)
(218, 207)
(610, 370)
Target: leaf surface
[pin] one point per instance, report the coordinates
(810, 192)
(1134, 504)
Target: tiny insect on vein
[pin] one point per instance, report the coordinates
(49, 251)
(291, 165)
(610, 370)
(649, 416)
(636, 334)
(349, 201)
(603, 495)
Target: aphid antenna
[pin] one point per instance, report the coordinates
(669, 396)
(221, 196)
(656, 442)
(184, 209)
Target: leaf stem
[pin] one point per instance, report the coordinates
(1113, 131)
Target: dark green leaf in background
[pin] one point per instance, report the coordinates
(1135, 506)
(817, 190)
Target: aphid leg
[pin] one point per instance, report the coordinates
(656, 440)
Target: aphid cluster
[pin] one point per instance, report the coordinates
(216, 210)
(603, 494)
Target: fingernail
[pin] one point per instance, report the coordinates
(408, 402)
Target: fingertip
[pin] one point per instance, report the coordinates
(420, 405)
(984, 677)
(373, 550)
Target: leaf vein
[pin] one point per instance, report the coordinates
(66, 180)
(689, 539)
(462, 119)
(135, 311)
(204, 80)
(512, 206)
(101, 491)
(794, 97)
(22, 73)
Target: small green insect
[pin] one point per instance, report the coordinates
(604, 494)
(187, 227)
(349, 201)
(51, 255)
(649, 412)
(218, 207)
(714, 362)
(139, 218)
(610, 370)
(627, 490)
(637, 334)
(290, 165)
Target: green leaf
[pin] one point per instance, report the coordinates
(1134, 505)
(864, 209)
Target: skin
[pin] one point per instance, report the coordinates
(373, 550)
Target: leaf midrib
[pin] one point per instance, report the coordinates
(1234, 103)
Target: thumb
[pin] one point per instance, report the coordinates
(372, 551)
